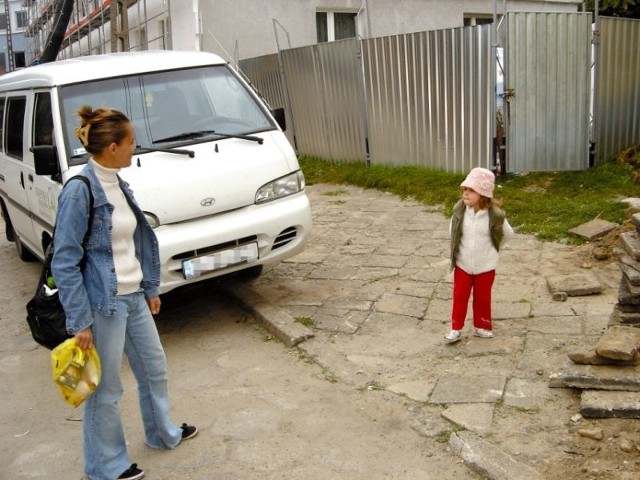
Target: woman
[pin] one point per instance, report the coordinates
(109, 293)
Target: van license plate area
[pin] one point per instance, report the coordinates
(194, 267)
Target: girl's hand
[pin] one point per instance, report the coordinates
(84, 338)
(154, 305)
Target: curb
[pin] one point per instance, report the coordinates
(282, 325)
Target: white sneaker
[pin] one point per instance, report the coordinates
(452, 337)
(481, 332)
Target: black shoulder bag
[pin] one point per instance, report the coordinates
(45, 315)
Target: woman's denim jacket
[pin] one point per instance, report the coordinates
(95, 285)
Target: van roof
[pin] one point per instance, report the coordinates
(81, 69)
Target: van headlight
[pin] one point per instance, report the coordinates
(281, 187)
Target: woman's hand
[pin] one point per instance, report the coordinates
(154, 305)
(84, 338)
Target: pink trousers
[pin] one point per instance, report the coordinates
(481, 285)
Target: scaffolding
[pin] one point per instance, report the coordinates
(101, 26)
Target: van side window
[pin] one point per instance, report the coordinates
(14, 133)
(1, 124)
(43, 120)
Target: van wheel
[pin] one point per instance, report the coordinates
(23, 252)
(250, 273)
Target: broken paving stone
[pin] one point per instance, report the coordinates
(621, 317)
(591, 357)
(628, 300)
(594, 229)
(598, 377)
(595, 434)
(609, 404)
(573, 285)
(619, 342)
(631, 243)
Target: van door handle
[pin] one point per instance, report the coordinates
(22, 179)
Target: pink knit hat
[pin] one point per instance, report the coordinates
(481, 180)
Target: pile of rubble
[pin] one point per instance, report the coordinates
(609, 375)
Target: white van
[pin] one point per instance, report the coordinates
(214, 172)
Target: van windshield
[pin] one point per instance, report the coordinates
(166, 107)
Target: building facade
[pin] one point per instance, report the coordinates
(14, 44)
(240, 29)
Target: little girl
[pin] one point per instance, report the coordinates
(477, 229)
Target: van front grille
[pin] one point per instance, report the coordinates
(215, 248)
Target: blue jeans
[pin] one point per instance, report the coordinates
(131, 330)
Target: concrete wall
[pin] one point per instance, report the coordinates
(247, 26)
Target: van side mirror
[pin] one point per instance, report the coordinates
(278, 114)
(45, 159)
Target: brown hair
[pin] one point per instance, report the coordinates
(486, 203)
(100, 128)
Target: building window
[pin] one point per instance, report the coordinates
(332, 26)
(3, 21)
(471, 20)
(19, 60)
(21, 19)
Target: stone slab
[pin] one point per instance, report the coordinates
(477, 389)
(604, 404)
(598, 377)
(619, 342)
(596, 228)
(628, 295)
(591, 357)
(488, 460)
(476, 417)
(574, 284)
(631, 243)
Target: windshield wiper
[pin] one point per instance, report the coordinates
(177, 151)
(204, 133)
(253, 138)
(185, 136)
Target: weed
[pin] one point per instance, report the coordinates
(306, 321)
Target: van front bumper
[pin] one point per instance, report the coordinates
(280, 228)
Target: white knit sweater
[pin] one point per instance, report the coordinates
(477, 253)
(128, 270)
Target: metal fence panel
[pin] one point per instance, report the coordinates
(548, 68)
(428, 96)
(617, 94)
(264, 73)
(324, 83)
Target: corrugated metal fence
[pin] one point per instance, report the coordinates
(426, 98)
(617, 97)
(417, 99)
(548, 67)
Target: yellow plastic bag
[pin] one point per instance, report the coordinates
(76, 372)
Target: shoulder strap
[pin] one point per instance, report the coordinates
(90, 222)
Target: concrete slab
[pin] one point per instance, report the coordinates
(594, 229)
(478, 389)
(605, 404)
(631, 243)
(525, 394)
(619, 342)
(574, 284)
(599, 377)
(488, 460)
(476, 417)
(418, 390)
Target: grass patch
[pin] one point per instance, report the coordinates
(546, 204)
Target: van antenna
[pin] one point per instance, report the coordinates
(225, 52)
